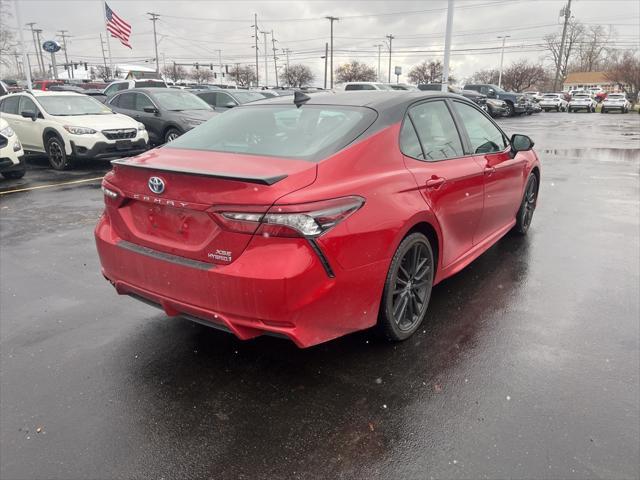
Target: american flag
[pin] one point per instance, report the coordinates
(117, 26)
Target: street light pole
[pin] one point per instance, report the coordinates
(504, 39)
(255, 37)
(266, 59)
(379, 53)
(390, 37)
(331, 20)
(154, 19)
(447, 47)
(326, 59)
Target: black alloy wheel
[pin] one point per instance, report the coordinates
(407, 288)
(528, 206)
(57, 155)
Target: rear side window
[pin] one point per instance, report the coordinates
(209, 97)
(436, 130)
(484, 136)
(409, 143)
(10, 105)
(311, 132)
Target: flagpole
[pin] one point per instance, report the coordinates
(104, 19)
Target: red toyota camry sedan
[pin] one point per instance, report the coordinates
(310, 217)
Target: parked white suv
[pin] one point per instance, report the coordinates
(582, 101)
(68, 125)
(11, 153)
(365, 86)
(553, 101)
(616, 101)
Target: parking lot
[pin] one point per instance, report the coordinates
(527, 365)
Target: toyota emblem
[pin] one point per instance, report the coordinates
(156, 185)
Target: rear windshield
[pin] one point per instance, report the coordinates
(310, 133)
(149, 83)
(616, 95)
(246, 97)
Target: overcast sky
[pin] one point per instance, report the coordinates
(194, 30)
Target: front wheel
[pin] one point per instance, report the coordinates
(58, 157)
(171, 134)
(510, 110)
(528, 206)
(407, 289)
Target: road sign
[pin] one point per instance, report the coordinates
(398, 70)
(51, 46)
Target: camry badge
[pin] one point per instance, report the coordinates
(156, 185)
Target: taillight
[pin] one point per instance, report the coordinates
(111, 195)
(306, 219)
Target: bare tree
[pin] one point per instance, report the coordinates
(490, 76)
(428, 72)
(575, 31)
(521, 75)
(298, 75)
(592, 48)
(201, 75)
(174, 72)
(243, 76)
(7, 40)
(626, 73)
(355, 71)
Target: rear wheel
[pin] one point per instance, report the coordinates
(407, 288)
(510, 110)
(528, 205)
(58, 157)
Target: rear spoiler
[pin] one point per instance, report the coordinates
(265, 180)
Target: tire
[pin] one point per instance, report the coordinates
(603, 110)
(511, 111)
(528, 206)
(171, 134)
(557, 109)
(58, 158)
(14, 175)
(407, 288)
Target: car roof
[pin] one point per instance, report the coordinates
(376, 99)
(50, 93)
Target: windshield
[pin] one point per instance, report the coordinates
(551, 95)
(246, 97)
(308, 133)
(177, 100)
(582, 96)
(66, 105)
(616, 95)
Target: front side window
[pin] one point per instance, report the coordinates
(224, 100)
(484, 136)
(142, 101)
(74, 104)
(436, 130)
(10, 105)
(308, 133)
(177, 100)
(125, 101)
(27, 105)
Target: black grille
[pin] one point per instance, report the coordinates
(120, 134)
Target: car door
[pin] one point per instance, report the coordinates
(504, 173)
(153, 121)
(30, 131)
(450, 182)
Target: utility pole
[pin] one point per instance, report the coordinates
(35, 44)
(17, 55)
(255, 37)
(447, 47)
(23, 49)
(275, 59)
(154, 19)
(266, 62)
(104, 58)
(286, 52)
(220, 62)
(64, 37)
(39, 50)
(379, 53)
(331, 20)
(504, 39)
(567, 15)
(390, 37)
(326, 59)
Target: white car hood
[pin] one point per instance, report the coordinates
(99, 122)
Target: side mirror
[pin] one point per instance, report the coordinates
(491, 93)
(31, 115)
(153, 110)
(230, 104)
(521, 143)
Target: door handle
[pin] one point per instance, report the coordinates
(489, 170)
(435, 182)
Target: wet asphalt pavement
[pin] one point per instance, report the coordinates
(527, 366)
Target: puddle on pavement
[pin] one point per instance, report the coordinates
(601, 154)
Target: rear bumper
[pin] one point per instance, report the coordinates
(278, 286)
(109, 150)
